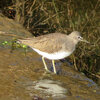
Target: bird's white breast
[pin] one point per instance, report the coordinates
(53, 56)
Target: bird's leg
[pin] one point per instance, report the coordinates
(54, 68)
(45, 64)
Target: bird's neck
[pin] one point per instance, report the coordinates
(74, 40)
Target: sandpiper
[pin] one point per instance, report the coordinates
(54, 46)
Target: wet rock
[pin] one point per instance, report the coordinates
(9, 29)
(25, 79)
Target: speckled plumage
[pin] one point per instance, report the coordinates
(51, 43)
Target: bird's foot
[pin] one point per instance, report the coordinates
(48, 71)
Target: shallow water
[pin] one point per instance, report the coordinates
(23, 77)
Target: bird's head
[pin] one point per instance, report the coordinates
(76, 36)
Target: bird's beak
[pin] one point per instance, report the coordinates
(83, 40)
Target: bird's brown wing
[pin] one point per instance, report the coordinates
(47, 43)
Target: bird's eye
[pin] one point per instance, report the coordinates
(79, 37)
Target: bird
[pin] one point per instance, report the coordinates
(54, 46)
